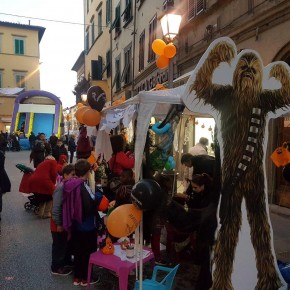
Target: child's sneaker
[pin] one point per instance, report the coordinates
(62, 272)
(77, 282)
(93, 281)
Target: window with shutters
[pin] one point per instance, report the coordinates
(117, 78)
(97, 68)
(19, 45)
(117, 22)
(107, 68)
(19, 78)
(141, 50)
(195, 7)
(127, 13)
(87, 42)
(152, 37)
(93, 31)
(108, 11)
(100, 27)
(126, 76)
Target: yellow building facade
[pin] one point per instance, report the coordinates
(19, 65)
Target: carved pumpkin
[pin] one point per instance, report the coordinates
(109, 247)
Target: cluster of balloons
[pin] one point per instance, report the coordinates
(146, 195)
(164, 52)
(90, 115)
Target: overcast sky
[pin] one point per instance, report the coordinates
(61, 43)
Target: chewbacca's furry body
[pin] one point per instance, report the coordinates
(235, 104)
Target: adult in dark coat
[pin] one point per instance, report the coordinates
(53, 140)
(40, 150)
(72, 147)
(5, 184)
(32, 139)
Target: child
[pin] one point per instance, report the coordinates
(61, 253)
(123, 192)
(80, 218)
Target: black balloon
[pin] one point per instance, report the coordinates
(96, 98)
(286, 172)
(147, 194)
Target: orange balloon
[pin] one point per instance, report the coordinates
(162, 62)
(158, 46)
(79, 113)
(80, 105)
(170, 50)
(91, 117)
(124, 220)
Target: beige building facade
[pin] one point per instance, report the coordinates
(120, 47)
(19, 65)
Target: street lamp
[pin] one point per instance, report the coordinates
(84, 97)
(170, 23)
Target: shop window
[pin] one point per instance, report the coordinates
(19, 45)
(152, 37)
(141, 51)
(195, 7)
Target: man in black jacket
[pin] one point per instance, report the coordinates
(200, 163)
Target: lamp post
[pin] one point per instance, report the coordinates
(170, 23)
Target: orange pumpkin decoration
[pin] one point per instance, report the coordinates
(91, 117)
(108, 249)
(80, 112)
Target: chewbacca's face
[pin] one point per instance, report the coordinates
(248, 75)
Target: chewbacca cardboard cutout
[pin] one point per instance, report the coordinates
(241, 109)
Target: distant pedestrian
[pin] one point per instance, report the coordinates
(72, 147)
(61, 246)
(58, 150)
(32, 139)
(40, 150)
(5, 184)
(52, 140)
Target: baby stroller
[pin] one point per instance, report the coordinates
(33, 203)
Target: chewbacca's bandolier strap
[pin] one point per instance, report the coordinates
(255, 126)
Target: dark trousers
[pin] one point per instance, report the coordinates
(85, 243)
(71, 156)
(61, 250)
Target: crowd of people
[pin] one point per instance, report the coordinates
(69, 198)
